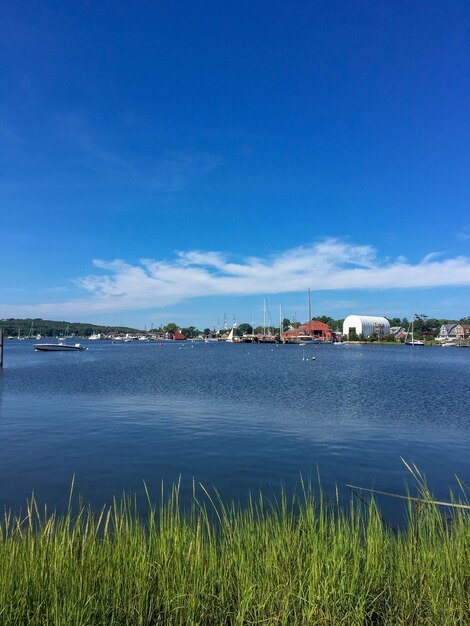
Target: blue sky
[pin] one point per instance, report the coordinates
(168, 161)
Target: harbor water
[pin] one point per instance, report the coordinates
(237, 417)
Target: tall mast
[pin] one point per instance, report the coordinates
(280, 323)
(264, 316)
(309, 309)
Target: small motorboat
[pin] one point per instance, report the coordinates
(58, 347)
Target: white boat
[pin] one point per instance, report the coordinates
(413, 342)
(231, 338)
(94, 337)
(58, 347)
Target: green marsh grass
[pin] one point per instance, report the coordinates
(299, 560)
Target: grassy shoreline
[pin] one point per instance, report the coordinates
(295, 562)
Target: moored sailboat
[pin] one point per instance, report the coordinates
(413, 342)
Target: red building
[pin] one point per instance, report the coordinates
(179, 336)
(312, 330)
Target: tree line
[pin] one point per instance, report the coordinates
(50, 328)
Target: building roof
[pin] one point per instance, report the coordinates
(315, 325)
(366, 324)
(448, 327)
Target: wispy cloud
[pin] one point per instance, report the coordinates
(328, 265)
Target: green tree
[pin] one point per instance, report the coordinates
(170, 328)
(421, 326)
(329, 321)
(190, 332)
(244, 329)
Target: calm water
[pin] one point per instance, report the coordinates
(239, 417)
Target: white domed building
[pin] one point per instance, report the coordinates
(366, 325)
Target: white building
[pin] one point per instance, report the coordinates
(366, 325)
(447, 332)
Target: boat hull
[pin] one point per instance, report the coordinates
(57, 347)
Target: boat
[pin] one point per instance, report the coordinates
(413, 342)
(304, 339)
(231, 337)
(58, 347)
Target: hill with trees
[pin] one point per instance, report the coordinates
(51, 328)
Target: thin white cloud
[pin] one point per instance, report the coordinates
(328, 265)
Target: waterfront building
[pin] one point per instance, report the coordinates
(447, 332)
(311, 330)
(398, 332)
(366, 325)
(462, 331)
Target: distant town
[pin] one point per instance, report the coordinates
(323, 329)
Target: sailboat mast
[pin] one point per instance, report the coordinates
(264, 316)
(280, 323)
